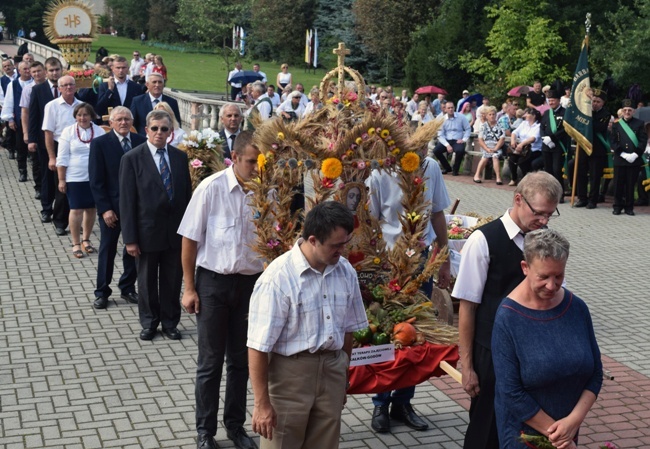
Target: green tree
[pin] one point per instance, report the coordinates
(522, 45)
(160, 13)
(28, 15)
(209, 23)
(129, 17)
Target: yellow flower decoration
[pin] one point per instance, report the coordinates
(261, 162)
(359, 140)
(390, 143)
(376, 260)
(410, 162)
(384, 133)
(413, 216)
(280, 136)
(396, 151)
(371, 131)
(332, 168)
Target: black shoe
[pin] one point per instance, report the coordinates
(444, 172)
(45, 217)
(131, 297)
(581, 203)
(147, 334)
(100, 302)
(380, 420)
(407, 415)
(241, 439)
(616, 211)
(37, 195)
(60, 231)
(562, 200)
(22, 177)
(591, 205)
(172, 334)
(629, 212)
(205, 441)
(12, 154)
(454, 173)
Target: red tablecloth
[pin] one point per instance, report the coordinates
(412, 365)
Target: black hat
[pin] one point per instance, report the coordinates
(602, 94)
(553, 94)
(627, 103)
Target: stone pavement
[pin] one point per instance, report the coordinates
(73, 377)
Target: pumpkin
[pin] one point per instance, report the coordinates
(404, 333)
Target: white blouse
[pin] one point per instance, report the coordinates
(74, 154)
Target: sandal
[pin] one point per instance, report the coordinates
(77, 253)
(88, 247)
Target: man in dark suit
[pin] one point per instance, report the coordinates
(231, 118)
(104, 166)
(119, 90)
(41, 95)
(144, 104)
(556, 144)
(9, 76)
(155, 189)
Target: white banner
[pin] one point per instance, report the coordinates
(372, 354)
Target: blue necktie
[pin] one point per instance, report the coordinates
(126, 146)
(165, 174)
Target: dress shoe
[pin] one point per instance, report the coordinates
(454, 173)
(407, 415)
(100, 302)
(444, 172)
(131, 297)
(37, 195)
(12, 154)
(241, 438)
(45, 217)
(172, 334)
(616, 211)
(380, 420)
(22, 177)
(629, 212)
(591, 205)
(60, 231)
(205, 441)
(581, 203)
(147, 334)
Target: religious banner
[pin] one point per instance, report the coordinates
(238, 39)
(311, 47)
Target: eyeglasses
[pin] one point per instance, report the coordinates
(161, 128)
(540, 214)
(66, 85)
(136, 54)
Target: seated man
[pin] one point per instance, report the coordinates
(452, 136)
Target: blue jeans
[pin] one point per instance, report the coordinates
(398, 397)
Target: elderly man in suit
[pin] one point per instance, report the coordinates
(119, 90)
(104, 166)
(144, 104)
(231, 118)
(155, 189)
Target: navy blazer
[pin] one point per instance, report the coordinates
(104, 169)
(4, 82)
(147, 216)
(41, 95)
(224, 145)
(107, 98)
(141, 106)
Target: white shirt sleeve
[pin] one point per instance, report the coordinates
(8, 105)
(472, 273)
(49, 117)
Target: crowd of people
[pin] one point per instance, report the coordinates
(131, 178)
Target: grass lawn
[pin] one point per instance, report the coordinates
(198, 71)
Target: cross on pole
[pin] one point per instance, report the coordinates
(341, 51)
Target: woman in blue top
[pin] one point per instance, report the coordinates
(546, 359)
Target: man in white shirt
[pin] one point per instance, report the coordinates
(217, 233)
(271, 95)
(235, 87)
(10, 74)
(304, 100)
(412, 105)
(136, 64)
(303, 311)
(262, 106)
(256, 68)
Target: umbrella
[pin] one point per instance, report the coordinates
(542, 108)
(245, 77)
(519, 91)
(424, 90)
(475, 97)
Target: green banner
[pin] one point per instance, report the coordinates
(577, 118)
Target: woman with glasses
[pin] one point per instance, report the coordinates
(545, 391)
(284, 77)
(74, 180)
(526, 146)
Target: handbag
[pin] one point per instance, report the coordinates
(525, 151)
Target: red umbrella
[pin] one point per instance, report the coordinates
(431, 90)
(519, 91)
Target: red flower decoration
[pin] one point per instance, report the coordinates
(327, 183)
(394, 286)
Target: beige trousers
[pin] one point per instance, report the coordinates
(307, 392)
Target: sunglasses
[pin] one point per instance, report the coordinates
(161, 128)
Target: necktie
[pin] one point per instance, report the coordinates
(155, 102)
(55, 93)
(126, 145)
(164, 173)
(232, 141)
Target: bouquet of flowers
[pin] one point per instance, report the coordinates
(204, 153)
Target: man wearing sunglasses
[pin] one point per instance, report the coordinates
(490, 268)
(155, 189)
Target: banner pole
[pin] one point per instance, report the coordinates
(575, 173)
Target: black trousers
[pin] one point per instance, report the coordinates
(553, 164)
(53, 201)
(440, 152)
(482, 428)
(106, 262)
(160, 277)
(590, 172)
(625, 178)
(532, 162)
(222, 327)
(234, 91)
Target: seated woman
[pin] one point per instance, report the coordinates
(284, 77)
(523, 156)
(466, 110)
(546, 360)
(491, 139)
(423, 115)
(178, 133)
